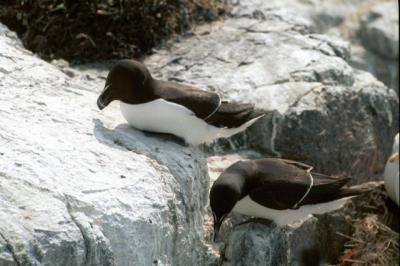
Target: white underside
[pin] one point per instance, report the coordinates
(283, 217)
(391, 177)
(165, 117)
(391, 174)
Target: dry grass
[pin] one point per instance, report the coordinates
(373, 241)
(88, 30)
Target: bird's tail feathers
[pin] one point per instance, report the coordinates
(351, 191)
(227, 132)
(233, 115)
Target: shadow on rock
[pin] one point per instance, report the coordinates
(124, 137)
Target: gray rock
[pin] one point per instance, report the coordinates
(380, 29)
(384, 69)
(312, 242)
(371, 26)
(379, 49)
(79, 187)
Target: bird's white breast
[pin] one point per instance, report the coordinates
(391, 174)
(283, 217)
(167, 117)
(391, 178)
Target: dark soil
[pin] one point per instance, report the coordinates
(92, 30)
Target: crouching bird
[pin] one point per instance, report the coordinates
(391, 174)
(154, 105)
(280, 190)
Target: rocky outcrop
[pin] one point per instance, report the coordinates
(79, 187)
(313, 242)
(371, 26)
(320, 110)
(379, 34)
(380, 29)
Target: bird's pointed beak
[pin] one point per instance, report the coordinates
(104, 98)
(394, 157)
(216, 231)
(217, 226)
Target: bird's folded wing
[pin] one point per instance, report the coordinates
(279, 196)
(201, 103)
(327, 185)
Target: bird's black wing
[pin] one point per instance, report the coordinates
(325, 188)
(286, 195)
(282, 183)
(322, 184)
(234, 114)
(279, 196)
(201, 103)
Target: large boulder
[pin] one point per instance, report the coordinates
(79, 187)
(319, 109)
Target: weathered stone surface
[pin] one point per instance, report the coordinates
(79, 187)
(370, 25)
(379, 49)
(314, 240)
(321, 110)
(380, 29)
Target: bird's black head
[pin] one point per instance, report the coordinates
(127, 82)
(224, 194)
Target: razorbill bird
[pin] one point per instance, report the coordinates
(280, 190)
(154, 105)
(391, 173)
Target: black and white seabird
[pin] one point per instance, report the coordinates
(280, 190)
(391, 174)
(195, 115)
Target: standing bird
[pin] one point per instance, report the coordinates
(195, 115)
(391, 174)
(280, 190)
